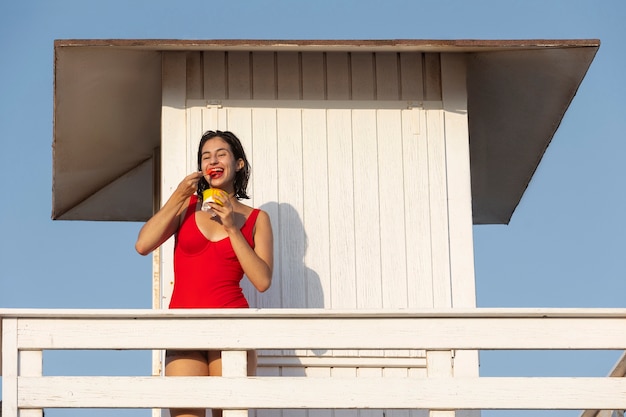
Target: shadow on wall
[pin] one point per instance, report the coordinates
(294, 285)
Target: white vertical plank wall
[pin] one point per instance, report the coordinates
(361, 160)
(174, 163)
(454, 100)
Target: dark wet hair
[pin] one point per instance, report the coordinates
(241, 176)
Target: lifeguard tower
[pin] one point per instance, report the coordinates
(374, 160)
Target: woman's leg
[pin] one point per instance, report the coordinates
(186, 363)
(215, 368)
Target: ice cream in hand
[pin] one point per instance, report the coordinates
(208, 196)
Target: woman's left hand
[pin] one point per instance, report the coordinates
(224, 211)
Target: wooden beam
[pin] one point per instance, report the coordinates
(338, 393)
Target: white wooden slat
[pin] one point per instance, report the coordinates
(315, 216)
(371, 373)
(235, 364)
(387, 81)
(222, 118)
(458, 180)
(420, 372)
(173, 127)
(441, 413)
(272, 372)
(195, 129)
(398, 393)
(339, 333)
(349, 374)
(239, 76)
(319, 373)
(319, 361)
(235, 413)
(548, 314)
(293, 372)
(290, 231)
(362, 76)
(439, 365)
(214, 63)
(454, 96)
(157, 281)
(210, 115)
(392, 216)
(396, 373)
(392, 225)
(417, 209)
(341, 209)
(263, 75)
(174, 151)
(438, 198)
(412, 82)
(241, 124)
(338, 76)
(313, 76)
(264, 190)
(31, 362)
(10, 368)
(288, 75)
(367, 216)
(36, 412)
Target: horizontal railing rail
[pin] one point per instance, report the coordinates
(26, 333)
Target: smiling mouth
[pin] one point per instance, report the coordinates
(215, 172)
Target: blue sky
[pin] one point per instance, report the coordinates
(563, 248)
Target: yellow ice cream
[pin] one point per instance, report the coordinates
(209, 196)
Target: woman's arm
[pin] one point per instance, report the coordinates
(257, 263)
(166, 221)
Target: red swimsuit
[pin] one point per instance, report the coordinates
(208, 273)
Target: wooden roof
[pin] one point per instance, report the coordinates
(107, 100)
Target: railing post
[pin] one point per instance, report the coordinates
(439, 365)
(235, 364)
(31, 365)
(9, 367)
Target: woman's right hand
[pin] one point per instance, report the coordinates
(166, 221)
(189, 185)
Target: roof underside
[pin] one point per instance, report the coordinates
(108, 105)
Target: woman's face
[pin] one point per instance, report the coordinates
(218, 164)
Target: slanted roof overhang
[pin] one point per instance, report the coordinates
(107, 107)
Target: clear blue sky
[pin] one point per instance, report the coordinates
(563, 248)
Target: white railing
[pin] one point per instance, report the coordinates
(26, 333)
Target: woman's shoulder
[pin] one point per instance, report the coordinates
(258, 213)
(188, 208)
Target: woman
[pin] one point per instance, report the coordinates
(213, 249)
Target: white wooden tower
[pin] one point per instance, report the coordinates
(373, 158)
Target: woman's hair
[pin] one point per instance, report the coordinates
(241, 176)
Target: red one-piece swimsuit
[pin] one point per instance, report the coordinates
(207, 274)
